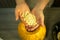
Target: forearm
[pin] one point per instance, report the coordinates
(18, 2)
(42, 4)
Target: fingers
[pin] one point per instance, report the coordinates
(42, 21)
(17, 14)
(39, 17)
(31, 28)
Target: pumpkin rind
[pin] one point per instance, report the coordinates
(38, 34)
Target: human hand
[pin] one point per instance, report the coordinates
(23, 8)
(20, 9)
(39, 15)
(39, 18)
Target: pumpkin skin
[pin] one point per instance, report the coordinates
(38, 34)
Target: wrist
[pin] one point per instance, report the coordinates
(38, 8)
(20, 3)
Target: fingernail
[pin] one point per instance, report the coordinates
(16, 19)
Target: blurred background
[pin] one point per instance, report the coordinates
(8, 24)
(12, 3)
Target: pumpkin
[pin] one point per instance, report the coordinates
(38, 34)
(30, 19)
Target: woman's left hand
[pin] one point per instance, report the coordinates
(39, 15)
(39, 18)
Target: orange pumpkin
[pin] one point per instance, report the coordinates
(38, 34)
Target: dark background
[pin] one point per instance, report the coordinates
(56, 3)
(12, 4)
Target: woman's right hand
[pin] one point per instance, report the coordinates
(20, 9)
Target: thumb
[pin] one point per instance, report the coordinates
(17, 14)
(42, 22)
